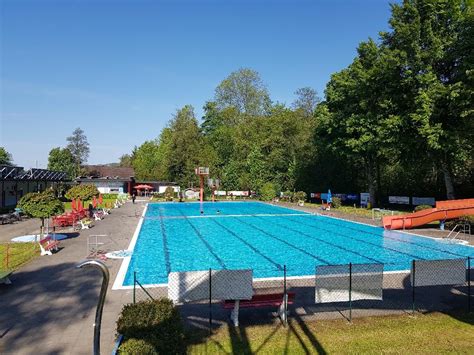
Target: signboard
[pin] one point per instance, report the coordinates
(334, 283)
(343, 197)
(323, 196)
(423, 201)
(225, 285)
(364, 199)
(399, 200)
(352, 197)
(238, 193)
(439, 272)
(219, 193)
(191, 194)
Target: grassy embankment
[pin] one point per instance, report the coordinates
(427, 334)
(15, 255)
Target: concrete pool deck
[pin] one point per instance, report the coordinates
(50, 306)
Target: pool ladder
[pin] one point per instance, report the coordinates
(465, 228)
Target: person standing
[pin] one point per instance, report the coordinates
(133, 198)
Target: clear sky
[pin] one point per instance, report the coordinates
(120, 69)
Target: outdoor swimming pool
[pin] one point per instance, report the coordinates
(263, 237)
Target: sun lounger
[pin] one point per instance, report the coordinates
(47, 245)
(4, 277)
(98, 216)
(84, 224)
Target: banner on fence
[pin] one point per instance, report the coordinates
(238, 193)
(352, 197)
(219, 193)
(364, 198)
(399, 200)
(343, 197)
(439, 272)
(335, 283)
(191, 286)
(423, 201)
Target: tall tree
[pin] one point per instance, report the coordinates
(426, 37)
(185, 146)
(125, 161)
(362, 122)
(306, 100)
(79, 147)
(62, 160)
(5, 157)
(245, 91)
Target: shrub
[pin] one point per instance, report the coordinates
(83, 192)
(287, 196)
(169, 193)
(136, 347)
(422, 207)
(336, 202)
(268, 191)
(109, 196)
(157, 322)
(299, 196)
(463, 219)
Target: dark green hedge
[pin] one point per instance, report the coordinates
(156, 322)
(137, 347)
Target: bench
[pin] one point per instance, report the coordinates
(47, 245)
(4, 277)
(260, 301)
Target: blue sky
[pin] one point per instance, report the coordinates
(120, 69)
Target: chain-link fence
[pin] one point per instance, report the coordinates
(254, 296)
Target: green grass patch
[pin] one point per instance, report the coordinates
(15, 255)
(67, 205)
(431, 333)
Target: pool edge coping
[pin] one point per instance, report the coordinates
(120, 278)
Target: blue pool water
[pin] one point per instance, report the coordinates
(262, 237)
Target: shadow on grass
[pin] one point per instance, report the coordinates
(237, 340)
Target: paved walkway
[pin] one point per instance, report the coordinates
(50, 307)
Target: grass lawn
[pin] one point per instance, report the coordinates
(432, 333)
(14, 255)
(67, 205)
(362, 212)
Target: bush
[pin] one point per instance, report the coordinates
(299, 196)
(336, 202)
(136, 347)
(157, 322)
(169, 193)
(83, 192)
(463, 219)
(287, 196)
(422, 207)
(268, 191)
(109, 196)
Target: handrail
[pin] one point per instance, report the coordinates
(100, 305)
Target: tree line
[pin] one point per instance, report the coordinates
(397, 120)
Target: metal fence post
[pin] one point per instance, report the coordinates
(413, 288)
(350, 292)
(210, 300)
(134, 284)
(7, 256)
(285, 296)
(469, 284)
